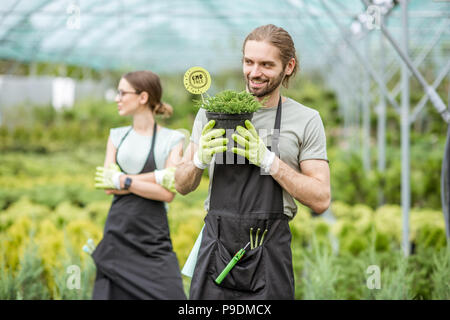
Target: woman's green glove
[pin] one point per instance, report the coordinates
(255, 149)
(209, 144)
(166, 178)
(108, 178)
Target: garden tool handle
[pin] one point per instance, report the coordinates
(231, 264)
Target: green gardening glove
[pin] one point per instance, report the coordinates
(108, 178)
(166, 178)
(255, 149)
(209, 144)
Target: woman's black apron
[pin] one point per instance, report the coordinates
(135, 259)
(243, 198)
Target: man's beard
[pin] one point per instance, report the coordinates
(272, 86)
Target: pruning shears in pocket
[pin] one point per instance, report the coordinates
(238, 256)
(254, 245)
(231, 264)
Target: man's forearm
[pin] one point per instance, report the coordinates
(307, 190)
(187, 177)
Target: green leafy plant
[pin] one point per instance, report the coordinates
(441, 261)
(320, 273)
(231, 102)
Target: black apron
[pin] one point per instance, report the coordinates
(243, 198)
(135, 259)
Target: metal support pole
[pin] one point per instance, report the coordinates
(381, 123)
(354, 103)
(420, 56)
(430, 91)
(421, 104)
(361, 58)
(366, 108)
(423, 54)
(405, 126)
(445, 183)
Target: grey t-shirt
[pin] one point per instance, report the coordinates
(302, 137)
(135, 148)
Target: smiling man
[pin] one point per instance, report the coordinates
(285, 150)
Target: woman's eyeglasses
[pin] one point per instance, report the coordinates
(121, 93)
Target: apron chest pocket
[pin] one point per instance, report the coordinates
(247, 275)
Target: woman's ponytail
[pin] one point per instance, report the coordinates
(163, 109)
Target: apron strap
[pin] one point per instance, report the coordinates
(276, 133)
(153, 138)
(120, 143)
(150, 163)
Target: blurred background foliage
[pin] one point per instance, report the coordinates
(49, 208)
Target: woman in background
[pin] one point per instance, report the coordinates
(135, 259)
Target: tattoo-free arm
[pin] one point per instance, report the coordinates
(187, 175)
(311, 187)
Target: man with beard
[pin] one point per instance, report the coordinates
(285, 148)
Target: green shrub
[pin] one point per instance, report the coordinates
(24, 207)
(230, 102)
(320, 273)
(28, 283)
(440, 277)
(397, 282)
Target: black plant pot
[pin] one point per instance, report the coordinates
(227, 120)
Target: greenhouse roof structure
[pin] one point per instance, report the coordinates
(168, 36)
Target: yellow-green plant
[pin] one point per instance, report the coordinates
(229, 101)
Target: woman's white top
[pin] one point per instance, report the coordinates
(134, 149)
